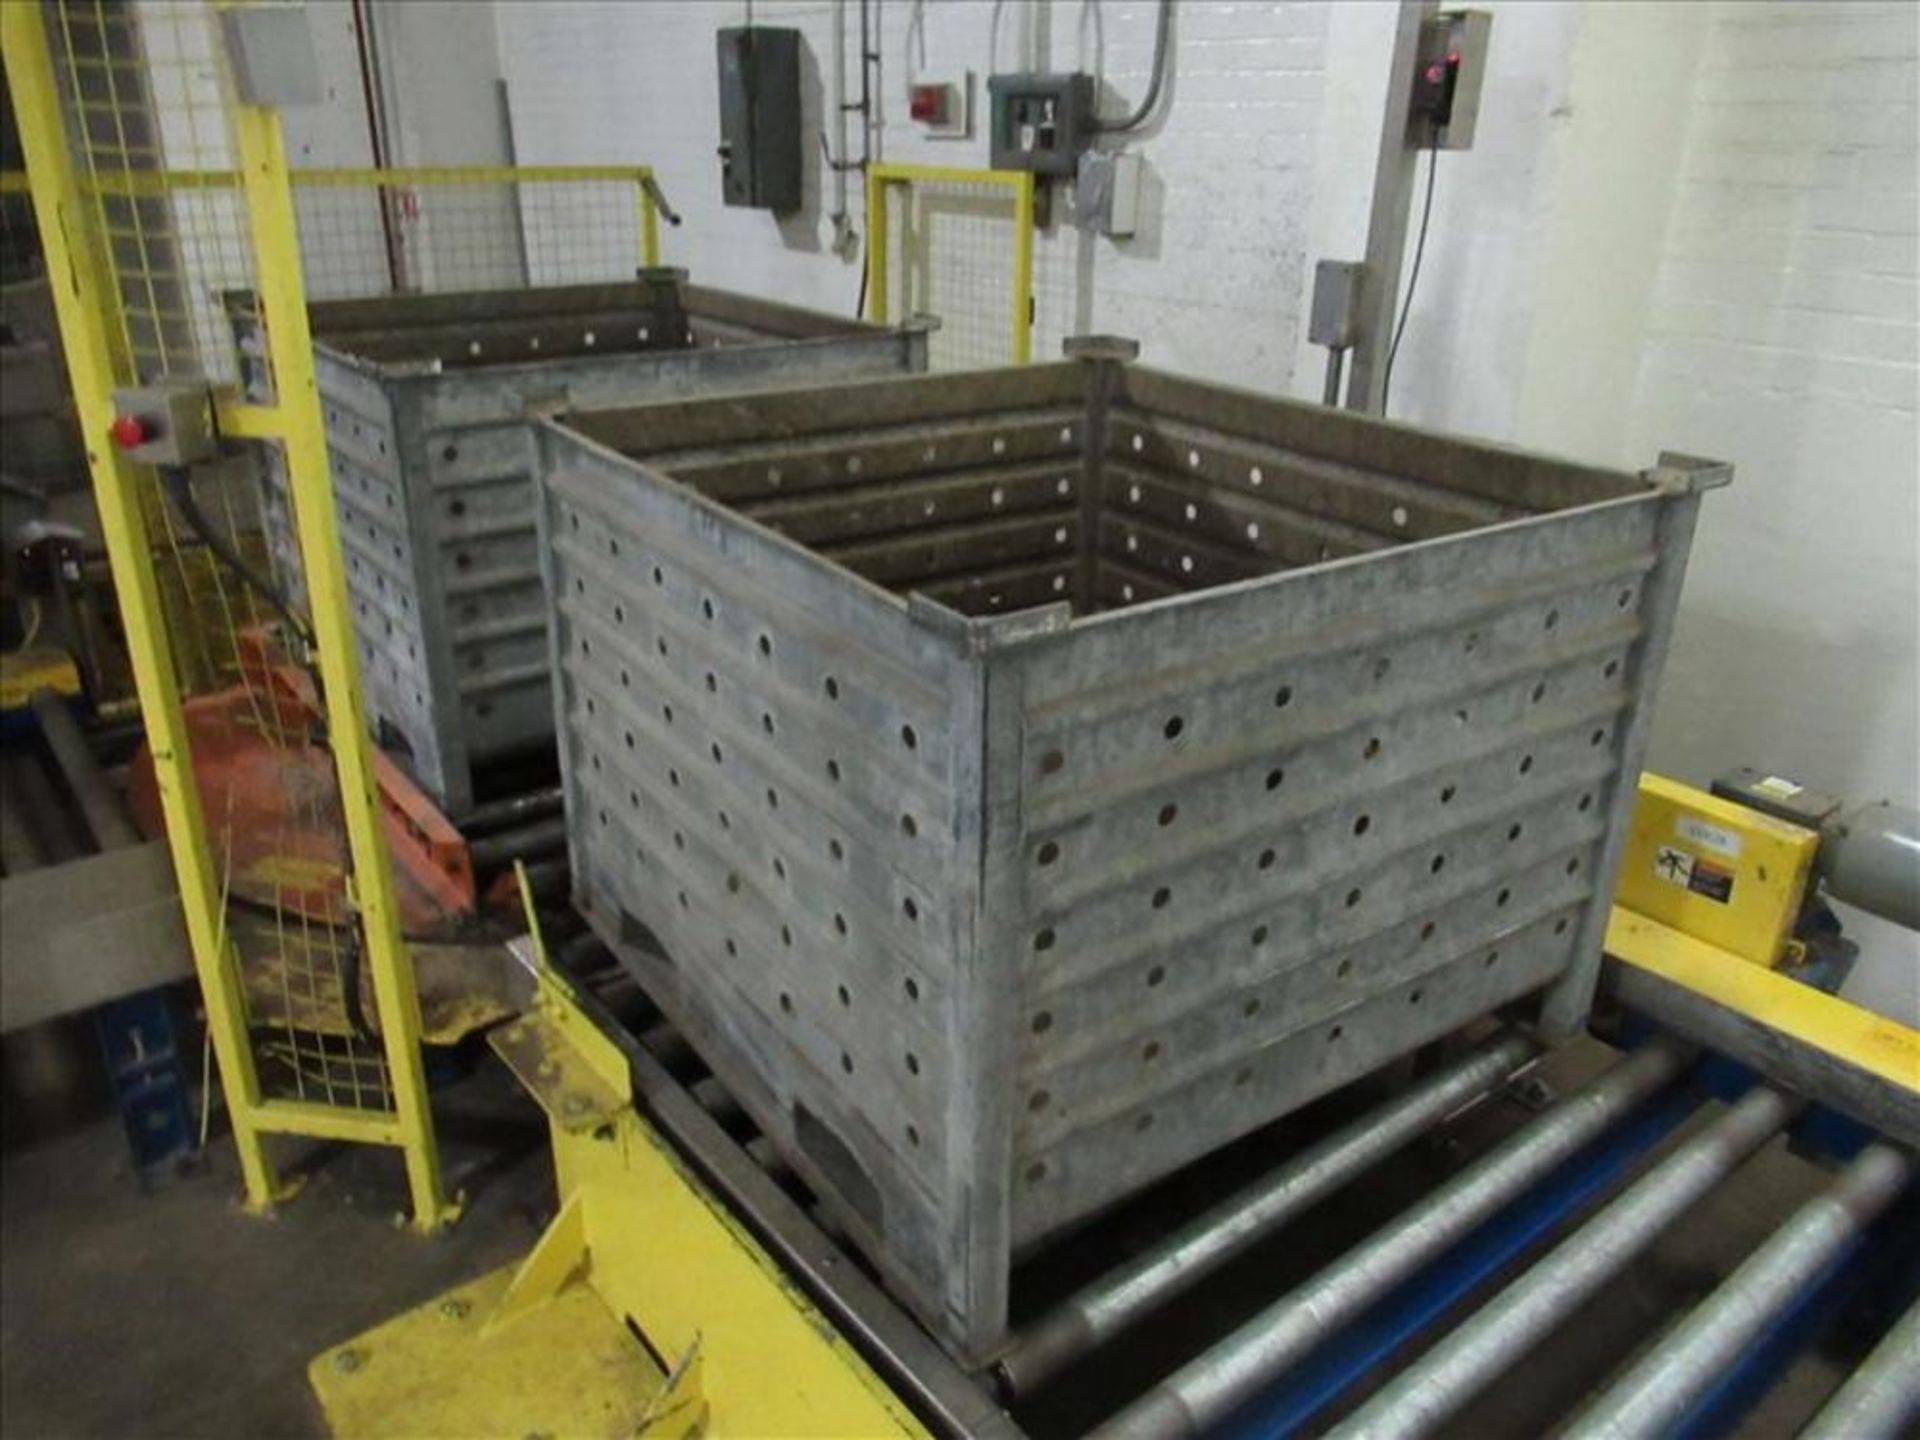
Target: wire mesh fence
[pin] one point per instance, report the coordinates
(146, 90)
(373, 232)
(957, 246)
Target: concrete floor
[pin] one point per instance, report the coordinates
(169, 1312)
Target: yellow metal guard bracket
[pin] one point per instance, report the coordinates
(643, 1309)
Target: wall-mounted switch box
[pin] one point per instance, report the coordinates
(760, 117)
(942, 106)
(167, 424)
(1447, 80)
(1039, 122)
(1333, 319)
(1106, 193)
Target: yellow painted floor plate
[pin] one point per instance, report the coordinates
(569, 1367)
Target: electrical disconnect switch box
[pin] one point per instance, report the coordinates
(760, 117)
(1040, 122)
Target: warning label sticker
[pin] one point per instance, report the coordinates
(1691, 872)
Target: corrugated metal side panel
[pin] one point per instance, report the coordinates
(456, 660)
(1274, 835)
(772, 777)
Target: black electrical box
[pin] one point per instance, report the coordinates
(760, 117)
(1040, 122)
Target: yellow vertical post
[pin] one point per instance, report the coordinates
(1023, 270)
(84, 298)
(297, 422)
(649, 222)
(876, 246)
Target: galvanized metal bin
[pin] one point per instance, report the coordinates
(1021, 783)
(425, 399)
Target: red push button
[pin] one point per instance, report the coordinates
(928, 104)
(129, 432)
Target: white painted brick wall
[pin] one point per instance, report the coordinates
(1215, 283)
(1784, 336)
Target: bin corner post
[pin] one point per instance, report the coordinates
(270, 215)
(84, 300)
(1565, 1004)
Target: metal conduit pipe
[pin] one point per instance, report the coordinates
(1656, 1393)
(1510, 1325)
(1205, 1391)
(1881, 1399)
(1130, 1293)
(102, 810)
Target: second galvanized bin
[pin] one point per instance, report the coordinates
(425, 399)
(1019, 784)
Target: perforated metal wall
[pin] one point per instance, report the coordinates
(1040, 778)
(425, 399)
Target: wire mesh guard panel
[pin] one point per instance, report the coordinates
(424, 401)
(953, 257)
(439, 232)
(993, 914)
(147, 93)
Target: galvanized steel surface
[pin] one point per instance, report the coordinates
(1655, 1394)
(1881, 1399)
(425, 399)
(1208, 1389)
(1504, 1331)
(1041, 777)
(1132, 1292)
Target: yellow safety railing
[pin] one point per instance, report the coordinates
(137, 250)
(959, 248)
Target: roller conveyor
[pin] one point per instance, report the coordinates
(1547, 1216)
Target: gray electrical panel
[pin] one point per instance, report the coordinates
(760, 117)
(1040, 122)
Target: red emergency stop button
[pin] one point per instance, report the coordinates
(928, 104)
(129, 432)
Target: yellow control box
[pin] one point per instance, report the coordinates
(1716, 870)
